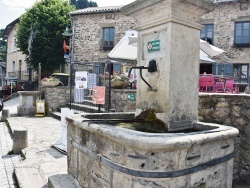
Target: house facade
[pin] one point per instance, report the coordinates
(228, 27)
(96, 31)
(17, 71)
(2, 73)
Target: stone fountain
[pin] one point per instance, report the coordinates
(161, 144)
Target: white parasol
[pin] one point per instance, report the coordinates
(126, 49)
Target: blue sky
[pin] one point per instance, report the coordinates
(12, 9)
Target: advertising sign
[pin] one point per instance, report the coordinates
(61, 143)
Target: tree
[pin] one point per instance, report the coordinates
(3, 46)
(92, 4)
(81, 4)
(47, 21)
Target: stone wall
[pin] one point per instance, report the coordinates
(88, 34)
(120, 100)
(224, 17)
(234, 111)
(55, 97)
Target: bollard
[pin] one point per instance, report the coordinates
(20, 140)
(5, 114)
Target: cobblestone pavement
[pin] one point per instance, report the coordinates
(7, 161)
(41, 159)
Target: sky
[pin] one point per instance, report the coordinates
(12, 9)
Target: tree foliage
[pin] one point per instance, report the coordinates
(3, 47)
(48, 18)
(81, 4)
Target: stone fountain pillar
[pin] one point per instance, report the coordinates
(170, 28)
(116, 150)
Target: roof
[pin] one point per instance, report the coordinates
(94, 10)
(9, 27)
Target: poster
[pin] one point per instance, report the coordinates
(81, 79)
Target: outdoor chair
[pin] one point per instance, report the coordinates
(229, 86)
(219, 88)
(206, 83)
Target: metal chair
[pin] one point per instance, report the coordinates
(229, 86)
(206, 83)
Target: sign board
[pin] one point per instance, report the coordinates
(154, 46)
(98, 96)
(66, 56)
(131, 96)
(40, 108)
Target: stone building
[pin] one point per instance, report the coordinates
(228, 27)
(96, 31)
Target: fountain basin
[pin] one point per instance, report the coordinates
(100, 154)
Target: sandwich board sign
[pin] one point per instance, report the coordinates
(40, 107)
(61, 143)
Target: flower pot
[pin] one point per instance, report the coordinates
(118, 84)
(50, 83)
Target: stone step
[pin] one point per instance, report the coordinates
(29, 177)
(56, 115)
(62, 181)
(86, 108)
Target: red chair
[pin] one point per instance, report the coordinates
(206, 83)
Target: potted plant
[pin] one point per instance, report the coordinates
(50, 81)
(119, 81)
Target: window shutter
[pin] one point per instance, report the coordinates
(117, 67)
(228, 69)
(214, 69)
(219, 69)
(96, 68)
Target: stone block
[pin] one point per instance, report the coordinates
(5, 114)
(20, 140)
(62, 181)
(26, 111)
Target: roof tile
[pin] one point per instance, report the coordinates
(92, 10)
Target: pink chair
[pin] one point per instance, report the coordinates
(219, 88)
(229, 86)
(206, 83)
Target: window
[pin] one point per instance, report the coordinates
(241, 73)
(207, 33)
(108, 38)
(14, 44)
(13, 66)
(242, 34)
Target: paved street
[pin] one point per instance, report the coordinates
(7, 161)
(42, 160)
